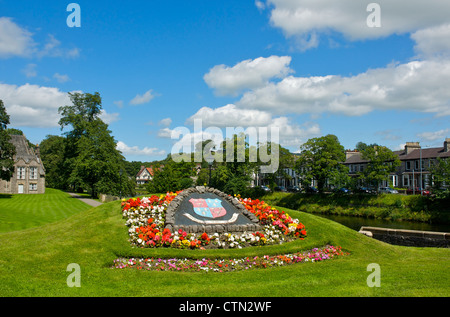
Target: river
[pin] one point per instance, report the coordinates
(356, 223)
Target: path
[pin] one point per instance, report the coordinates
(91, 202)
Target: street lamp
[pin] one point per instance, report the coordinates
(209, 159)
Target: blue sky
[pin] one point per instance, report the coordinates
(309, 68)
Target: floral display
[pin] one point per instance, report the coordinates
(146, 221)
(227, 265)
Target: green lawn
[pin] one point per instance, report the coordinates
(19, 212)
(33, 262)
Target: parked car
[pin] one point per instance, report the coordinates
(417, 191)
(265, 188)
(366, 190)
(311, 190)
(388, 190)
(293, 189)
(342, 190)
(280, 189)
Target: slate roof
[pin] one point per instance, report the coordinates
(413, 155)
(25, 152)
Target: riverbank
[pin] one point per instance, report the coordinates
(390, 207)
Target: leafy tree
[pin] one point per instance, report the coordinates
(7, 150)
(381, 162)
(440, 176)
(172, 177)
(98, 163)
(52, 150)
(320, 159)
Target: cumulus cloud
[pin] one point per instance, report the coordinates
(141, 99)
(33, 105)
(308, 18)
(433, 42)
(248, 74)
(14, 40)
(230, 116)
(30, 70)
(413, 86)
(37, 106)
(136, 151)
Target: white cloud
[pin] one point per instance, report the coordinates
(109, 118)
(135, 150)
(305, 18)
(33, 105)
(14, 40)
(165, 122)
(434, 136)
(231, 116)
(247, 74)
(61, 78)
(119, 103)
(37, 106)
(433, 42)
(416, 86)
(52, 48)
(141, 99)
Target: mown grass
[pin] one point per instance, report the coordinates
(19, 212)
(33, 262)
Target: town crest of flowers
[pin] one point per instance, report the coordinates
(146, 226)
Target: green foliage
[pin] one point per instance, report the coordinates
(320, 159)
(171, 177)
(381, 162)
(7, 150)
(440, 174)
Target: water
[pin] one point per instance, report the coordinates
(356, 223)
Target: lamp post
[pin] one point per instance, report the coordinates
(209, 159)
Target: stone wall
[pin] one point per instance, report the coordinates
(412, 238)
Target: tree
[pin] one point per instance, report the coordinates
(440, 177)
(52, 150)
(381, 163)
(321, 160)
(7, 150)
(98, 163)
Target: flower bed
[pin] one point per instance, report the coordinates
(146, 222)
(227, 265)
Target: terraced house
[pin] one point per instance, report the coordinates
(414, 171)
(29, 172)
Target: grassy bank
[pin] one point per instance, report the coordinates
(24, 211)
(385, 206)
(33, 262)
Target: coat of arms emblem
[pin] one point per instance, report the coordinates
(210, 208)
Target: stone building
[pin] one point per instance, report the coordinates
(414, 170)
(29, 172)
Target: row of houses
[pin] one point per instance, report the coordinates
(413, 172)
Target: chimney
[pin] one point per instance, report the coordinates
(411, 146)
(446, 144)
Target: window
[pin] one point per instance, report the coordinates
(408, 165)
(33, 187)
(394, 180)
(21, 173)
(416, 165)
(33, 173)
(405, 180)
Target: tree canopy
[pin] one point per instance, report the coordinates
(7, 150)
